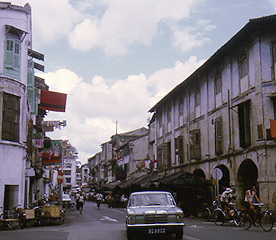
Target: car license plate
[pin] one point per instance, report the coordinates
(157, 230)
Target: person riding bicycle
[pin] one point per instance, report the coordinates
(249, 200)
(226, 198)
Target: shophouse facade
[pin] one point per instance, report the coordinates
(110, 165)
(17, 113)
(219, 117)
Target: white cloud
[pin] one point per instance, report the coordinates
(187, 38)
(94, 107)
(273, 3)
(119, 25)
(126, 22)
(51, 19)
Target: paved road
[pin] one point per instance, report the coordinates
(109, 224)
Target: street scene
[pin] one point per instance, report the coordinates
(109, 223)
(137, 119)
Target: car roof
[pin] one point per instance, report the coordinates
(149, 192)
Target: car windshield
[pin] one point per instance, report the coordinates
(151, 199)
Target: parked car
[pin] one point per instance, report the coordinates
(153, 213)
(66, 201)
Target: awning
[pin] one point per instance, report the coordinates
(53, 101)
(188, 179)
(183, 179)
(169, 178)
(132, 180)
(110, 186)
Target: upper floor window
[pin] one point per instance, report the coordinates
(12, 52)
(243, 64)
(218, 135)
(180, 106)
(244, 124)
(195, 147)
(218, 82)
(197, 96)
(169, 114)
(273, 50)
(274, 107)
(10, 121)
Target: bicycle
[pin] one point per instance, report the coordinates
(220, 216)
(11, 219)
(264, 218)
(208, 212)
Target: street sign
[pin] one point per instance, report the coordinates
(217, 174)
(60, 177)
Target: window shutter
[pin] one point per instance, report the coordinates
(243, 64)
(244, 124)
(9, 53)
(159, 157)
(219, 134)
(10, 129)
(165, 154)
(195, 147)
(16, 63)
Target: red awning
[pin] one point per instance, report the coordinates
(53, 101)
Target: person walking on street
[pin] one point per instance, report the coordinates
(81, 203)
(77, 196)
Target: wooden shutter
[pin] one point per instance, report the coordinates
(219, 135)
(244, 124)
(9, 53)
(16, 61)
(195, 146)
(159, 157)
(243, 64)
(11, 109)
(179, 149)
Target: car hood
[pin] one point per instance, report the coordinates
(141, 210)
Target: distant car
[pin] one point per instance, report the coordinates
(66, 201)
(153, 213)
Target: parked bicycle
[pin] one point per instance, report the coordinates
(11, 219)
(220, 216)
(263, 218)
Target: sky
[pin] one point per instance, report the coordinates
(117, 58)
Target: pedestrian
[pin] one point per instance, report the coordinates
(77, 196)
(109, 200)
(81, 203)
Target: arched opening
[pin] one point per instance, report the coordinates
(199, 173)
(224, 182)
(247, 173)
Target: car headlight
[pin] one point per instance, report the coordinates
(131, 218)
(180, 216)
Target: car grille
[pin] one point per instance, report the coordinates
(156, 218)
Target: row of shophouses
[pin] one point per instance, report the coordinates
(221, 117)
(29, 160)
